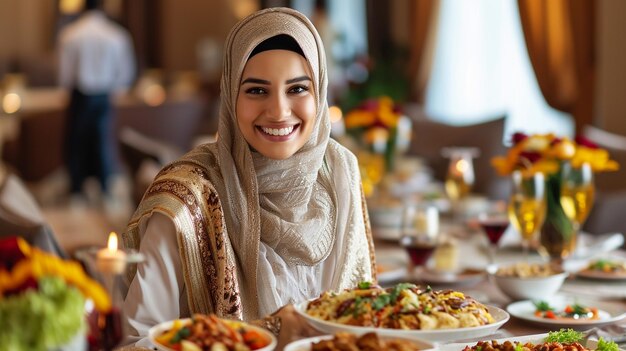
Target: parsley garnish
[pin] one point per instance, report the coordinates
(381, 301)
(606, 345)
(365, 285)
(181, 334)
(564, 336)
(543, 306)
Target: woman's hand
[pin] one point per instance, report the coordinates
(293, 326)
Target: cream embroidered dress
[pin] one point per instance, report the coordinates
(229, 231)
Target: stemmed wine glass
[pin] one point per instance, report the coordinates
(577, 196)
(494, 225)
(420, 227)
(527, 206)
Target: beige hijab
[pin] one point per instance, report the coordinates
(305, 211)
(291, 205)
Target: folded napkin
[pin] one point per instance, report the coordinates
(592, 245)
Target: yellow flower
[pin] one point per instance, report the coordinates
(37, 264)
(545, 153)
(360, 118)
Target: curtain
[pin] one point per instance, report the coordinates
(423, 18)
(560, 37)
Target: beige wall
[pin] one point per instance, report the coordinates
(610, 111)
(26, 27)
(187, 22)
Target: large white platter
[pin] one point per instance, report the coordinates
(535, 339)
(305, 344)
(162, 327)
(498, 314)
(609, 312)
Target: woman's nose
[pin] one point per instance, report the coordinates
(278, 107)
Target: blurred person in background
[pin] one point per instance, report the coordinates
(96, 58)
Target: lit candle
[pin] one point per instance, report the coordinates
(111, 260)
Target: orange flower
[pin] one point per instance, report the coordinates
(37, 264)
(545, 153)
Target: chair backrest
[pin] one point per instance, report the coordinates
(430, 137)
(615, 144)
(20, 215)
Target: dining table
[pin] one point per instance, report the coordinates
(394, 267)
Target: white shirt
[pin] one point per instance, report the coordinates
(96, 55)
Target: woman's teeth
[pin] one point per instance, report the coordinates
(278, 132)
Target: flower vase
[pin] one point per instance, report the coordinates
(558, 236)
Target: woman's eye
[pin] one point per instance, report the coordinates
(255, 91)
(298, 89)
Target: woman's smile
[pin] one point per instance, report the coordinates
(279, 133)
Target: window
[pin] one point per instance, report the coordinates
(481, 69)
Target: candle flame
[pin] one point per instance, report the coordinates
(112, 243)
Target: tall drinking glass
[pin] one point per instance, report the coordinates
(420, 228)
(577, 196)
(527, 207)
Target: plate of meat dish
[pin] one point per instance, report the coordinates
(404, 310)
(564, 339)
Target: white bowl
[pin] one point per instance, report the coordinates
(162, 327)
(386, 216)
(529, 288)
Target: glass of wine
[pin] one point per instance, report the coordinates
(577, 196)
(460, 174)
(527, 206)
(494, 225)
(420, 228)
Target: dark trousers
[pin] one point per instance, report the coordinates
(89, 143)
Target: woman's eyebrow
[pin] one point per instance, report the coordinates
(256, 81)
(298, 79)
(267, 82)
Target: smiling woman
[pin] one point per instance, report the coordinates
(276, 102)
(269, 215)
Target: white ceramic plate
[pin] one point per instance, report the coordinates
(608, 312)
(466, 276)
(162, 327)
(305, 344)
(535, 339)
(498, 314)
(390, 270)
(593, 274)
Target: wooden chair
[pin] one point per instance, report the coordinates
(430, 137)
(20, 215)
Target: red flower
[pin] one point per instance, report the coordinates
(581, 140)
(518, 137)
(531, 156)
(10, 252)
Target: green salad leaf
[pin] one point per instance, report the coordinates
(543, 306)
(604, 345)
(42, 319)
(564, 336)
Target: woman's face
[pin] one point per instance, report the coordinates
(276, 103)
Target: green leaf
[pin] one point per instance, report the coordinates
(180, 335)
(365, 285)
(606, 345)
(564, 336)
(381, 301)
(543, 306)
